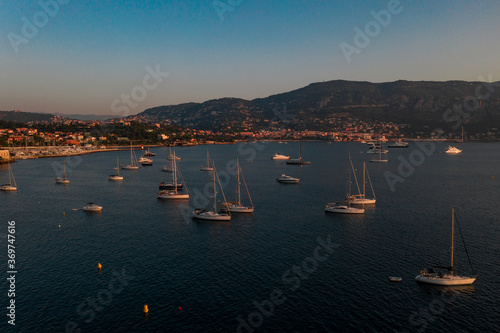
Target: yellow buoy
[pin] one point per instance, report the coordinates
(59, 225)
(146, 310)
(99, 266)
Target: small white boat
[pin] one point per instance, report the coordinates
(280, 157)
(92, 207)
(64, 179)
(172, 156)
(207, 167)
(342, 208)
(287, 179)
(11, 185)
(431, 276)
(117, 176)
(453, 150)
(398, 144)
(395, 278)
(173, 193)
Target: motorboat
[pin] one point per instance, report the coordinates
(92, 207)
(398, 144)
(146, 161)
(149, 153)
(280, 157)
(453, 150)
(287, 179)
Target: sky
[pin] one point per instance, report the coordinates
(122, 57)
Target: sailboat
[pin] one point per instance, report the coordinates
(64, 179)
(149, 153)
(174, 192)
(116, 177)
(344, 207)
(298, 161)
(447, 279)
(236, 206)
(207, 167)
(213, 215)
(11, 185)
(380, 159)
(360, 199)
(133, 161)
(463, 136)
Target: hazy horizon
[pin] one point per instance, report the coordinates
(87, 58)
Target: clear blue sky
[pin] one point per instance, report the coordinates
(91, 52)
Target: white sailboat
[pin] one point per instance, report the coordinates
(173, 157)
(117, 176)
(64, 179)
(447, 279)
(380, 158)
(213, 215)
(236, 206)
(133, 161)
(11, 185)
(344, 207)
(298, 161)
(207, 167)
(361, 199)
(175, 193)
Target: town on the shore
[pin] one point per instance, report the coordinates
(65, 137)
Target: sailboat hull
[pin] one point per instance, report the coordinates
(445, 280)
(8, 188)
(172, 195)
(210, 215)
(130, 167)
(238, 209)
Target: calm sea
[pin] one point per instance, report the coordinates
(288, 268)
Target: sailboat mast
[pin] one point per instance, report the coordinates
(364, 181)
(452, 235)
(239, 190)
(215, 190)
(175, 174)
(300, 150)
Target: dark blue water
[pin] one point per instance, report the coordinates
(203, 276)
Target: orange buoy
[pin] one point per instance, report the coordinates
(146, 310)
(99, 266)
